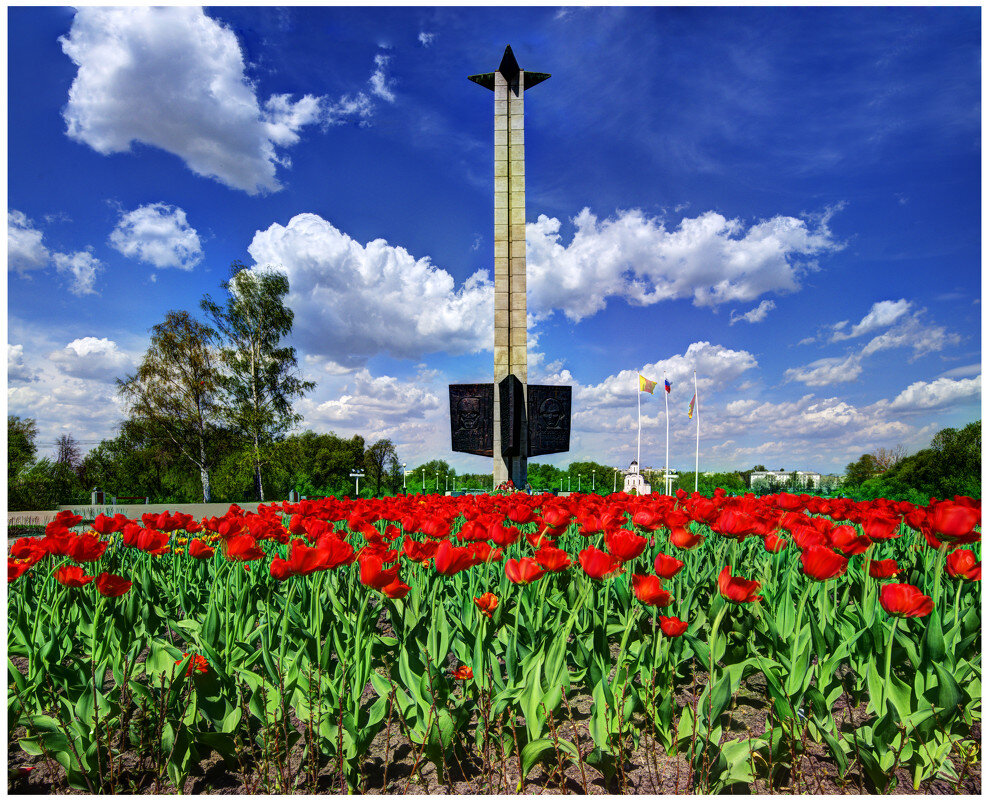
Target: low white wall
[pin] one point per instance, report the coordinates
(131, 510)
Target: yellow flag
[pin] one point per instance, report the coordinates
(645, 385)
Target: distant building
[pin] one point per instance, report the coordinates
(782, 478)
(634, 480)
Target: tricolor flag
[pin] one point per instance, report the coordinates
(690, 409)
(645, 385)
(667, 385)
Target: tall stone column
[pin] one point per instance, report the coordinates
(510, 333)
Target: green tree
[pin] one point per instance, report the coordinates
(260, 378)
(380, 462)
(21, 447)
(430, 476)
(863, 469)
(175, 391)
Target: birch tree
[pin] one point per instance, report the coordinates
(175, 390)
(261, 375)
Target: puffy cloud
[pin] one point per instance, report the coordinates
(174, 78)
(881, 315)
(159, 235)
(709, 258)
(756, 315)
(83, 266)
(352, 301)
(379, 80)
(17, 370)
(25, 250)
(963, 371)
(913, 333)
(426, 39)
(937, 394)
(375, 399)
(283, 118)
(92, 359)
(823, 372)
(716, 366)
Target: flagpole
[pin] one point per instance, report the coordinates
(697, 451)
(666, 470)
(638, 398)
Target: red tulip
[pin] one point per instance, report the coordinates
(667, 566)
(822, 564)
(848, 541)
(107, 525)
(737, 590)
(111, 585)
(372, 573)
(16, 568)
(523, 571)
(647, 519)
(881, 527)
(419, 551)
(773, 544)
(905, 600)
(152, 541)
(953, 520)
(199, 550)
(334, 552)
(487, 603)
(86, 548)
(649, 590)
(672, 626)
(450, 560)
(243, 548)
(624, 544)
(962, 564)
(684, 539)
(552, 560)
(597, 564)
(556, 517)
(72, 576)
(883, 568)
(397, 589)
(280, 569)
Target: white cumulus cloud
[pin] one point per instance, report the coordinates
(352, 301)
(708, 258)
(174, 78)
(159, 235)
(824, 372)
(25, 249)
(756, 315)
(426, 39)
(17, 370)
(882, 314)
(83, 267)
(936, 394)
(379, 79)
(92, 358)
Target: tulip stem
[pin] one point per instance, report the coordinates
(881, 710)
(958, 595)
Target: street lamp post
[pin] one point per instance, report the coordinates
(357, 476)
(404, 474)
(615, 489)
(592, 479)
(578, 482)
(446, 482)
(423, 490)
(437, 480)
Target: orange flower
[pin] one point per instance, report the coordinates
(197, 663)
(463, 673)
(487, 603)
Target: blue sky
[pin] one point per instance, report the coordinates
(786, 200)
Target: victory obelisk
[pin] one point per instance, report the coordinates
(510, 419)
